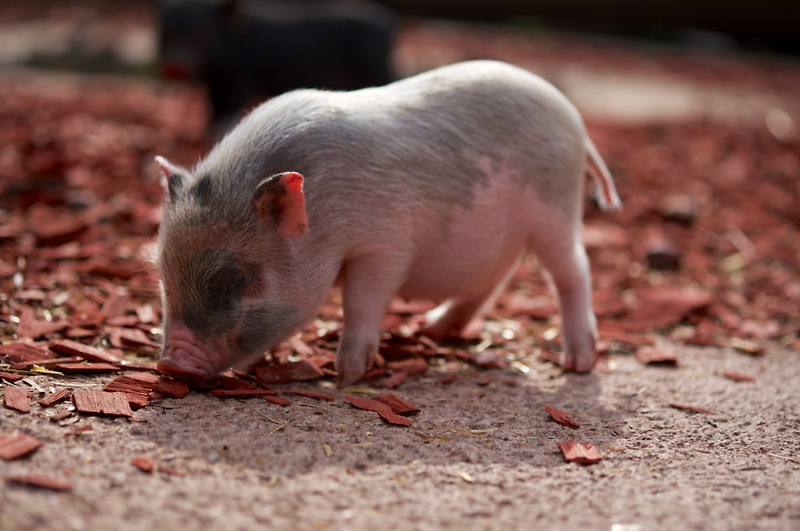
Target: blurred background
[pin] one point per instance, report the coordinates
(627, 55)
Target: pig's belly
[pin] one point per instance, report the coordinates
(461, 252)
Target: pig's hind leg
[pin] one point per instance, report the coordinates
(453, 316)
(369, 284)
(563, 256)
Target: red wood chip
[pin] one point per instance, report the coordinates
(86, 367)
(44, 362)
(130, 338)
(581, 453)
(171, 388)
(489, 360)
(137, 388)
(141, 383)
(398, 405)
(61, 415)
(668, 306)
(738, 376)
(393, 418)
(657, 356)
(561, 417)
(31, 327)
(59, 395)
(102, 403)
(7, 376)
(171, 471)
(394, 380)
(383, 410)
(687, 407)
(484, 379)
(242, 393)
(17, 444)
(551, 355)
(42, 482)
(278, 401)
(310, 394)
(18, 399)
(410, 367)
(610, 333)
(89, 353)
(301, 347)
(297, 371)
(19, 352)
(225, 381)
(144, 463)
(147, 314)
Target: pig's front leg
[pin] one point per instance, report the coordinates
(369, 284)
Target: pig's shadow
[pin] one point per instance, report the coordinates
(502, 422)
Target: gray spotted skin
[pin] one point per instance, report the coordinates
(431, 187)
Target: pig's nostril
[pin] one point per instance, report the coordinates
(172, 368)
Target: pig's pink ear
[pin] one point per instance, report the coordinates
(172, 178)
(281, 198)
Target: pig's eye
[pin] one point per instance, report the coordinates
(238, 280)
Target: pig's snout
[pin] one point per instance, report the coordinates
(184, 358)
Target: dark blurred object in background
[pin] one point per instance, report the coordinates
(763, 25)
(247, 51)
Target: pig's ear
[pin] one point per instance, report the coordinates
(173, 178)
(281, 198)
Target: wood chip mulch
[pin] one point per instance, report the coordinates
(16, 444)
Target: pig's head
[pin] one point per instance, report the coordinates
(228, 278)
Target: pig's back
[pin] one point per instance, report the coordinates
(422, 136)
(434, 164)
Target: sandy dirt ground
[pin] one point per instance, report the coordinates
(477, 457)
(481, 455)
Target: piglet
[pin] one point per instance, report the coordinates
(428, 188)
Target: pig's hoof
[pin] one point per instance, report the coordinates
(578, 361)
(172, 368)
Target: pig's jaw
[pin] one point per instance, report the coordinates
(189, 359)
